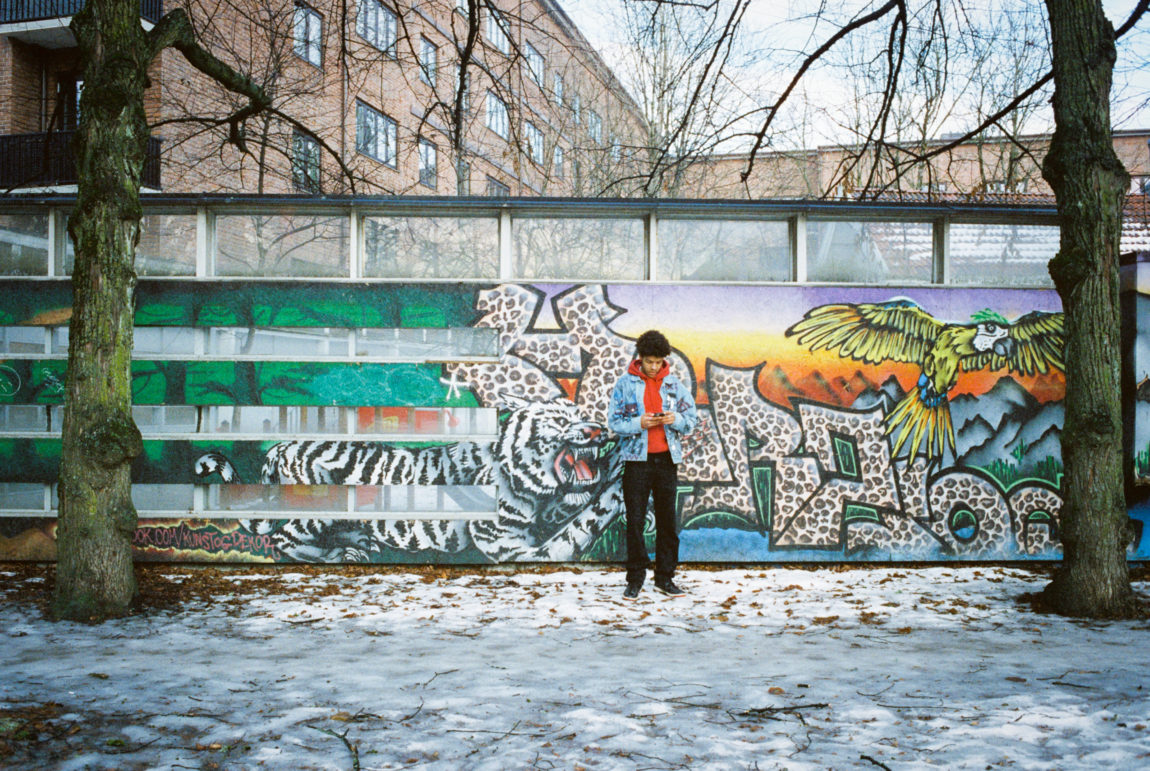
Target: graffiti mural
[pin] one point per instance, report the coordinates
(835, 423)
(899, 330)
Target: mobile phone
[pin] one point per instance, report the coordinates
(658, 414)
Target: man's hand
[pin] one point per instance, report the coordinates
(652, 419)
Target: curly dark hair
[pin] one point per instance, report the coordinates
(652, 343)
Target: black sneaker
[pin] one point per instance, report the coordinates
(668, 587)
(632, 591)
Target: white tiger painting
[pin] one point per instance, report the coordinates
(558, 489)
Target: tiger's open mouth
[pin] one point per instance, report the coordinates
(576, 466)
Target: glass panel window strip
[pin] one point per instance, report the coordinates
(260, 422)
(380, 344)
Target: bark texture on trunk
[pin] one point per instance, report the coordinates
(1089, 183)
(94, 572)
(95, 577)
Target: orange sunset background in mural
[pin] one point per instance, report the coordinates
(691, 318)
(826, 377)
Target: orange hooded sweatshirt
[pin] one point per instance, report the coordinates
(652, 402)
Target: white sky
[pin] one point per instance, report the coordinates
(767, 21)
(753, 668)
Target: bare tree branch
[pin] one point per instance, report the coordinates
(808, 62)
(175, 30)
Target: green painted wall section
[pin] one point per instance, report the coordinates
(258, 303)
(243, 382)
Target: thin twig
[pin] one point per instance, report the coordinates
(413, 714)
(869, 759)
(437, 674)
(352, 748)
(770, 712)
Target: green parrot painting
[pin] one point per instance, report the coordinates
(900, 330)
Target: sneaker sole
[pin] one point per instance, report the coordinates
(669, 594)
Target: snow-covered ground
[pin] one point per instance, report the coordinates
(754, 668)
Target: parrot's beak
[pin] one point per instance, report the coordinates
(1004, 347)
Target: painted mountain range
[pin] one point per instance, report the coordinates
(1006, 422)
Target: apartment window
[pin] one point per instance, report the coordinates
(427, 164)
(534, 142)
(616, 150)
(375, 134)
(308, 34)
(305, 165)
(428, 56)
(576, 107)
(558, 89)
(69, 88)
(557, 163)
(497, 32)
(497, 115)
(594, 127)
(534, 61)
(497, 189)
(377, 25)
(461, 6)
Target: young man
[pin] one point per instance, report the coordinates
(650, 410)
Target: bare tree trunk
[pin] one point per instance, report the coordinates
(95, 577)
(97, 519)
(1089, 183)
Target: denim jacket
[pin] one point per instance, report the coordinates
(626, 408)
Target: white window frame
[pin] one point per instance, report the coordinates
(497, 34)
(558, 89)
(497, 189)
(383, 140)
(428, 160)
(594, 127)
(307, 33)
(306, 165)
(557, 169)
(497, 119)
(534, 137)
(535, 63)
(378, 25)
(428, 61)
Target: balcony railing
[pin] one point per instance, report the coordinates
(13, 11)
(42, 160)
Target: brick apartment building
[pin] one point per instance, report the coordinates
(366, 98)
(996, 169)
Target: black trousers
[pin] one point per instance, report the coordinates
(655, 477)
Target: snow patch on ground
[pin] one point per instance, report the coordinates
(753, 668)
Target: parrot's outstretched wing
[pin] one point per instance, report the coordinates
(897, 330)
(1039, 341)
